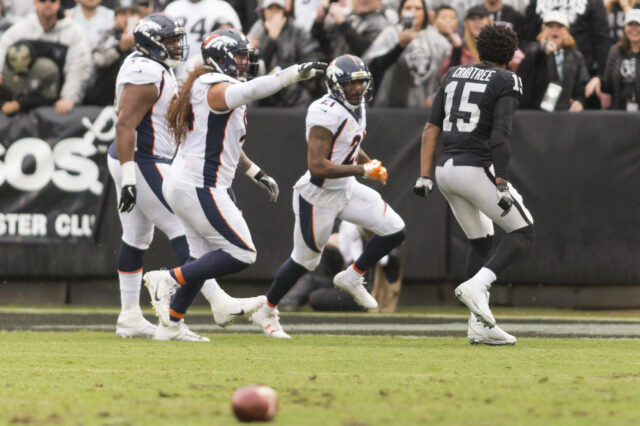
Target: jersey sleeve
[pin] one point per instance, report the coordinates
(323, 115)
(140, 71)
(509, 84)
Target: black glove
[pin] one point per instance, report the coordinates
(423, 186)
(269, 184)
(127, 198)
(310, 70)
(505, 200)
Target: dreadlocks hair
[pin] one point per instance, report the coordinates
(497, 43)
(180, 114)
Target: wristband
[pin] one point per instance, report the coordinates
(253, 170)
(128, 173)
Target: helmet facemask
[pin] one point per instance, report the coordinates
(175, 47)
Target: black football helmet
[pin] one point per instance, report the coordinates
(229, 52)
(345, 69)
(159, 37)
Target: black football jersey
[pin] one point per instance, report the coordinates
(463, 109)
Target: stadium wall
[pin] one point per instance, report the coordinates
(579, 175)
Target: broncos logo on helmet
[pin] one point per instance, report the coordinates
(344, 70)
(229, 52)
(159, 37)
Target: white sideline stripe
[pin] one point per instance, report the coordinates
(630, 330)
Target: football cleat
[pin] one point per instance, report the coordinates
(474, 297)
(477, 333)
(131, 324)
(269, 320)
(356, 290)
(227, 309)
(161, 287)
(178, 332)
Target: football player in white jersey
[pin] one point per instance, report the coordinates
(140, 158)
(335, 128)
(208, 120)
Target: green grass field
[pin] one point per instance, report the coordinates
(95, 378)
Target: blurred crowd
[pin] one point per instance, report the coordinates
(574, 54)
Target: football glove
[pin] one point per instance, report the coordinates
(310, 70)
(505, 200)
(127, 198)
(423, 186)
(269, 184)
(375, 170)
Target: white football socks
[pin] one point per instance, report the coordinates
(210, 288)
(484, 277)
(130, 283)
(351, 274)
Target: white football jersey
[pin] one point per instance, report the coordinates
(348, 130)
(198, 19)
(210, 152)
(152, 134)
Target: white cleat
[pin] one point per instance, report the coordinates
(477, 333)
(356, 290)
(178, 332)
(227, 309)
(161, 287)
(269, 320)
(131, 324)
(474, 297)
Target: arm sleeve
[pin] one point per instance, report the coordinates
(378, 66)
(437, 108)
(358, 43)
(77, 68)
(500, 138)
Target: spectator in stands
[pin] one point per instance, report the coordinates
(63, 39)
(446, 22)
(622, 74)
(28, 81)
(114, 45)
(340, 32)
(500, 12)
(616, 10)
(198, 18)
(553, 71)
(281, 43)
(588, 26)
(405, 59)
(145, 7)
(464, 52)
(94, 19)
(5, 22)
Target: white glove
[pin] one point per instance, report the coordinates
(301, 72)
(505, 200)
(265, 182)
(423, 186)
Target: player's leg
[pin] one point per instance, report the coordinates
(311, 232)
(517, 222)
(367, 209)
(452, 183)
(210, 214)
(137, 233)
(156, 207)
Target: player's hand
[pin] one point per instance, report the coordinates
(375, 170)
(505, 200)
(423, 186)
(310, 70)
(269, 184)
(127, 198)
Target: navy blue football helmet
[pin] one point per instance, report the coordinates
(345, 69)
(159, 37)
(229, 52)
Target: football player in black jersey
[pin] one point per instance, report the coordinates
(473, 113)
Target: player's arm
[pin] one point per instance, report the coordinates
(266, 182)
(500, 144)
(363, 158)
(424, 184)
(319, 152)
(134, 103)
(226, 96)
